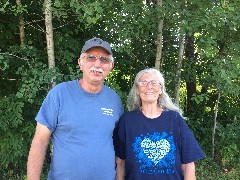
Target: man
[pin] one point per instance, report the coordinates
(79, 116)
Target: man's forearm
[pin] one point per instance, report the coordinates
(35, 160)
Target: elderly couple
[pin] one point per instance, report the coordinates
(93, 139)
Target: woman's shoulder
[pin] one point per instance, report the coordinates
(129, 115)
(171, 112)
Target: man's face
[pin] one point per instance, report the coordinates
(95, 65)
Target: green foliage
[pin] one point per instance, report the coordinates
(4, 64)
(226, 76)
(3, 6)
(228, 144)
(13, 145)
(200, 98)
(34, 79)
(85, 11)
(111, 82)
(11, 115)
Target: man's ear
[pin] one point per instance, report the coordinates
(80, 63)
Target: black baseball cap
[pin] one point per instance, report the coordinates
(96, 42)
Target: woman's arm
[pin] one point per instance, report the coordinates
(120, 169)
(189, 171)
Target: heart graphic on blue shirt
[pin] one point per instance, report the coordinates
(155, 150)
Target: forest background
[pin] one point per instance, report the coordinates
(195, 44)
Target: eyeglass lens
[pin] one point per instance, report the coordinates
(103, 59)
(145, 83)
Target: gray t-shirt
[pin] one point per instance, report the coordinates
(82, 126)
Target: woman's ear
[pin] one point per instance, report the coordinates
(112, 66)
(137, 91)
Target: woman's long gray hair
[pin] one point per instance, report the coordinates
(134, 101)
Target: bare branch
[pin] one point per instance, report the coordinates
(37, 28)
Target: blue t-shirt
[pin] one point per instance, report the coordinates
(82, 127)
(154, 149)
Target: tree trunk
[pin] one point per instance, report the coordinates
(159, 40)
(21, 25)
(215, 126)
(49, 37)
(222, 56)
(179, 66)
(191, 79)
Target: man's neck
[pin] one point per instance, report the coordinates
(90, 87)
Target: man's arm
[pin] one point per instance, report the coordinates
(37, 152)
(189, 171)
(120, 169)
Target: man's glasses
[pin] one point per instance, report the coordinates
(103, 59)
(145, 83)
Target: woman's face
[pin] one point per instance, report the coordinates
(149, 88)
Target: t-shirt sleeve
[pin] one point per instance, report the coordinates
(120, 140)
(48, 113)
(190, 149)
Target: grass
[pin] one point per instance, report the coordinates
(207, 169)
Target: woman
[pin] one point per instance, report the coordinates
(152, 140)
